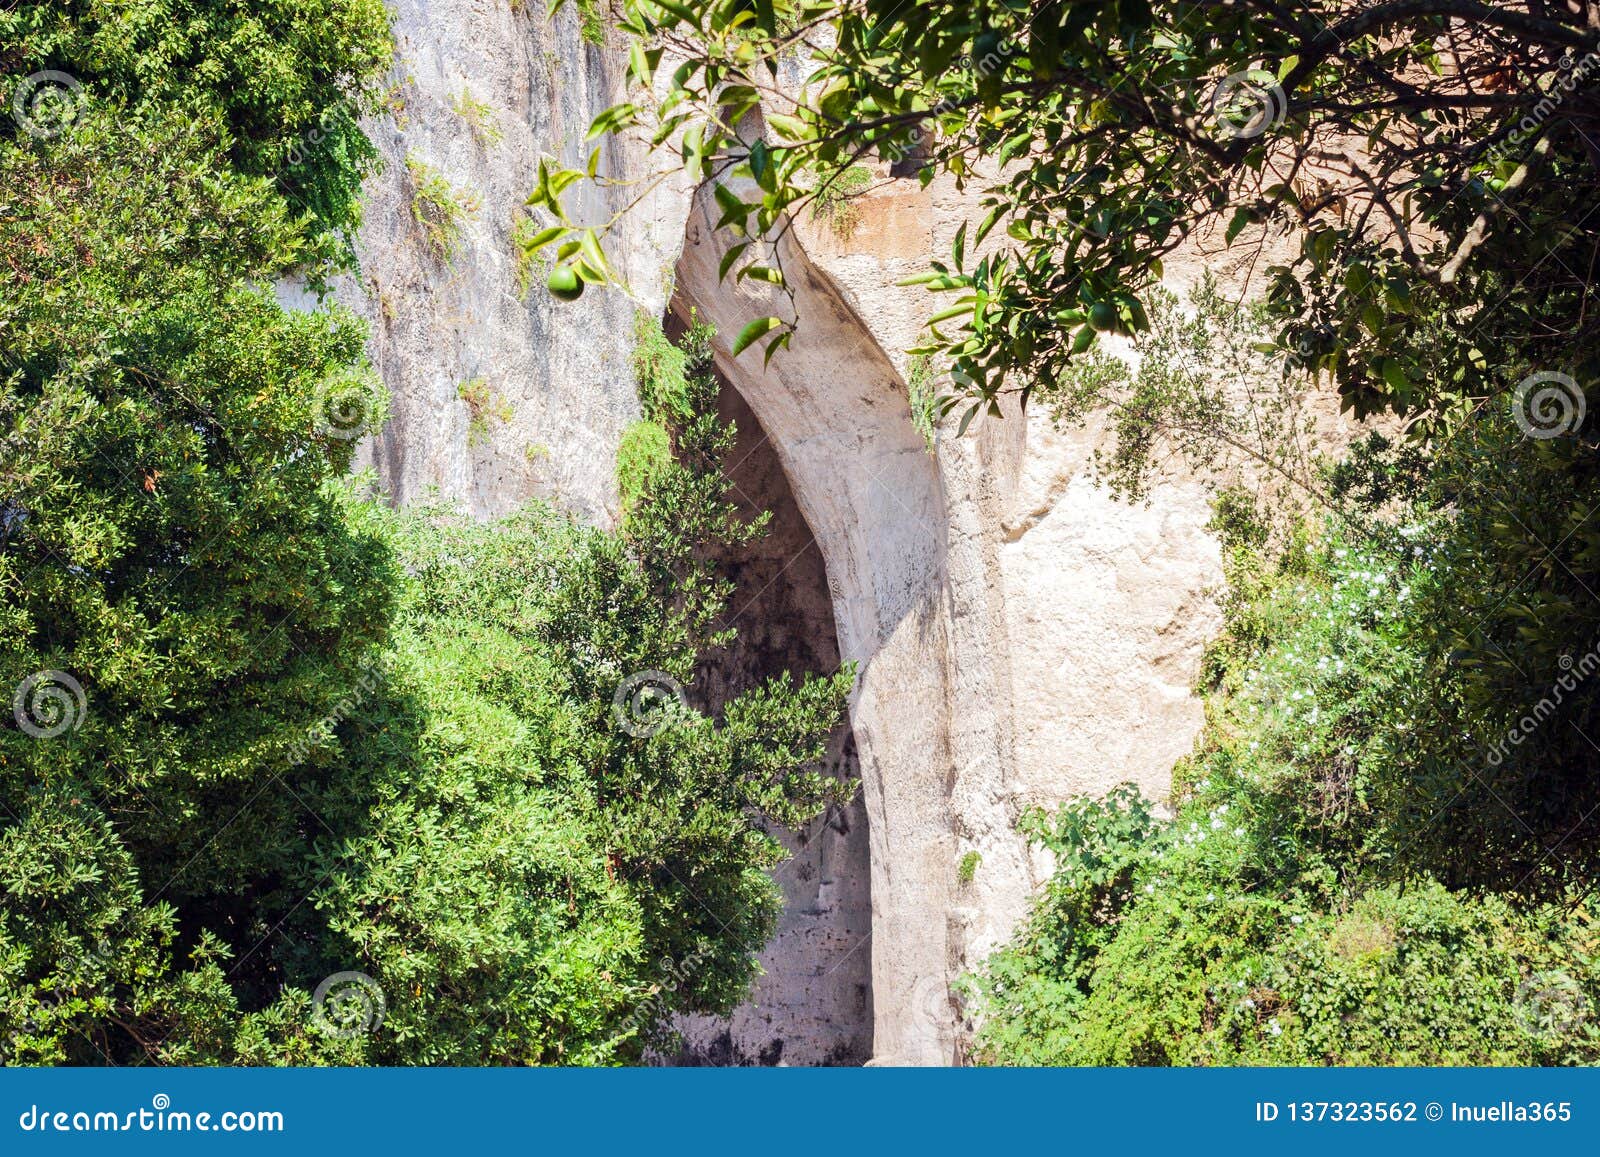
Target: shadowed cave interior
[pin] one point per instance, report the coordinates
(814, 1005)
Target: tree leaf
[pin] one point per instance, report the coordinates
(757, 329)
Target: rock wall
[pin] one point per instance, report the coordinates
(813, 1006)
(1021, 636)
(481, 90)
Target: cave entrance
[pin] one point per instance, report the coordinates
(813, 1006)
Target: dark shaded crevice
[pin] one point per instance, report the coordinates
(814, 1005)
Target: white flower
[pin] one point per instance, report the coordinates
(1297, 919)
(1274, 1027)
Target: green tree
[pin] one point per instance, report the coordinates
(291, 778)
(1293, 910)
(1428, 157)
(183, 589)
(283, 83)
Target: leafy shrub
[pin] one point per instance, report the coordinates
(285, 83)
(1279, 917)
(645, 450)
(1491, 783)
(177, 546)
(438, 207)
(661, 367)
(320, 741)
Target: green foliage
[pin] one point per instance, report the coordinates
(282, 83)
(1203, 386)
(176, 545)
(480, 118)
(317, 737)
(1285, 914)
(645, 450)
(485, 406)
(533, 265)
(592, 22)
(834, 202)
(528, 874)
(1492, 753)
(438, 207)
(967, 868)
(1392, 253)
(924, 399)
(661, 367)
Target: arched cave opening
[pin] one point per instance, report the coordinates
(813, 1006)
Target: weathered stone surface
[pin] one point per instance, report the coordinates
(1021, 635)
(558, 376)
(813, 1006)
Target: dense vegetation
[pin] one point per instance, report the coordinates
(289, 777)
(1298, 907)
(1103, 134)
(1383, 848)
(279, 84)
(293, 778)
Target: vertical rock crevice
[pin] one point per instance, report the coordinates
(839, 423)
(813, 1006)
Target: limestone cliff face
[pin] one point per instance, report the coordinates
(499, 392)
(1020, 636)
